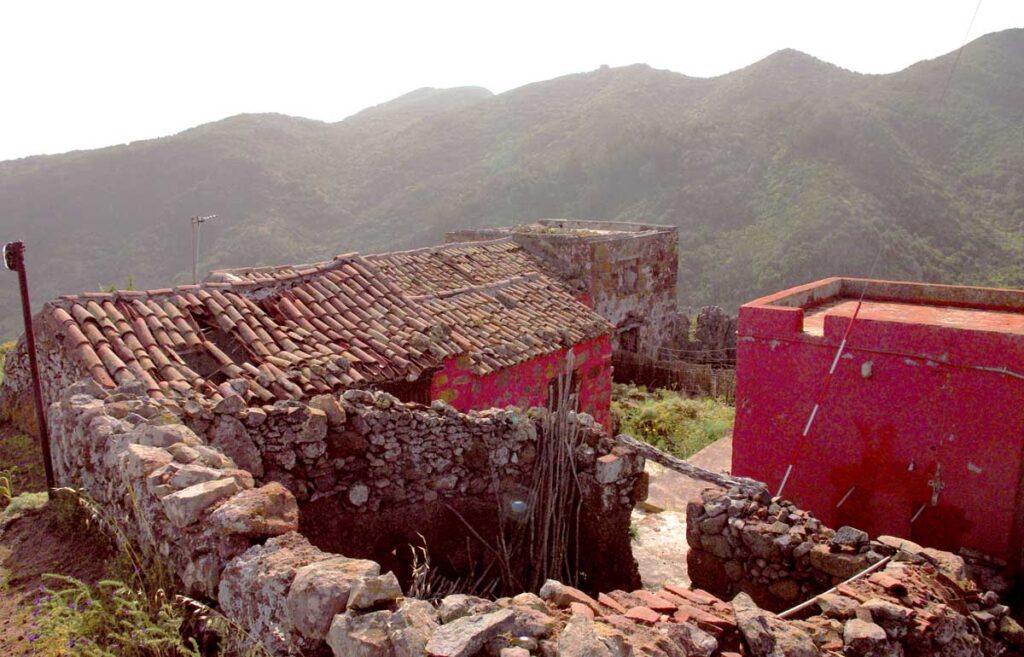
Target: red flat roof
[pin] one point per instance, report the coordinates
(916, 313)
(954, 306)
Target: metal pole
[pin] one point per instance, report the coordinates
(197, 222)
(195, 249)
(14, 258)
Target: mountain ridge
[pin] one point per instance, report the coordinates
(785, 170)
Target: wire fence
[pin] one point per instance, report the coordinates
(704, 380)
(722, 357)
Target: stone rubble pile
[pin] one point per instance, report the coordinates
(746, 541)
(765, 551)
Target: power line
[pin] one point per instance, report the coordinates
(956, 60)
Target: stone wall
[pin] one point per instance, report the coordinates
(235, 544)
(56, 373)
(713, 339)
(779, 554)
(364, 463)
(188, 503)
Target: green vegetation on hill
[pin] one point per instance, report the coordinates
(670, 421)
(788, 170)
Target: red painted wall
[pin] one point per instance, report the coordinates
(907, 400)
(526, 384)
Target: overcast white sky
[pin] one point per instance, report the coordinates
(88, 74)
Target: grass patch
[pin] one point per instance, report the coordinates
(110, 618)
(4, 348)
(23, 502)
(21, 461)
(670, 421)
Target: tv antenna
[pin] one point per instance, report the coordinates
(197, 222)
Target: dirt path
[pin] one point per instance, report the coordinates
(32, 544)
(660, 546)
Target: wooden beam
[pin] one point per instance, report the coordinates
(688, 469)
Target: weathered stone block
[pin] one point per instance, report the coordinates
(411, 627)
(466, 636)
(363, 635)
(371, 592)
(186, 506)
(270, 510)
(165, 435)
(321, 590)
(230, 437)
(140, 460)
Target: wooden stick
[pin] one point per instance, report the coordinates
(867, 571)
(688, 469)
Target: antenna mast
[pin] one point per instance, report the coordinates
(196, 223)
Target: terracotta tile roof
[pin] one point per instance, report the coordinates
(296, 331)
(499, 306)
(511, 321)
(447, 267)
(318, 329)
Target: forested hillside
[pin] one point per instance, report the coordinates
(785, 171)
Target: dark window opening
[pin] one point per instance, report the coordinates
(202, 363)
(629, 339)
(416, 392)
(628, 277)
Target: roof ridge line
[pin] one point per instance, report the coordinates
(482, 287)
(440, 247)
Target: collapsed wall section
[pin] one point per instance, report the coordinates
(766, 547)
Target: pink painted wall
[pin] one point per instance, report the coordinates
(526, 384)
(907, 400)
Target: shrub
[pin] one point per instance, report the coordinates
(109, 619)
(670, 421)
(132, 613)
(23, 502)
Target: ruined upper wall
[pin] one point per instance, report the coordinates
(626, 272)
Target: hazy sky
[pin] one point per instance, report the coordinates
(87, 74)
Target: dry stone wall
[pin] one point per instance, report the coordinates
(56, 373)
(362, 463)
(189, 504)
(374, 451)
(750, 542)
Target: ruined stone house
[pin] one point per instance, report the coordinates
(475, 325)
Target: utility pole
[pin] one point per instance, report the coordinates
(14, 260)
(197, 221)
